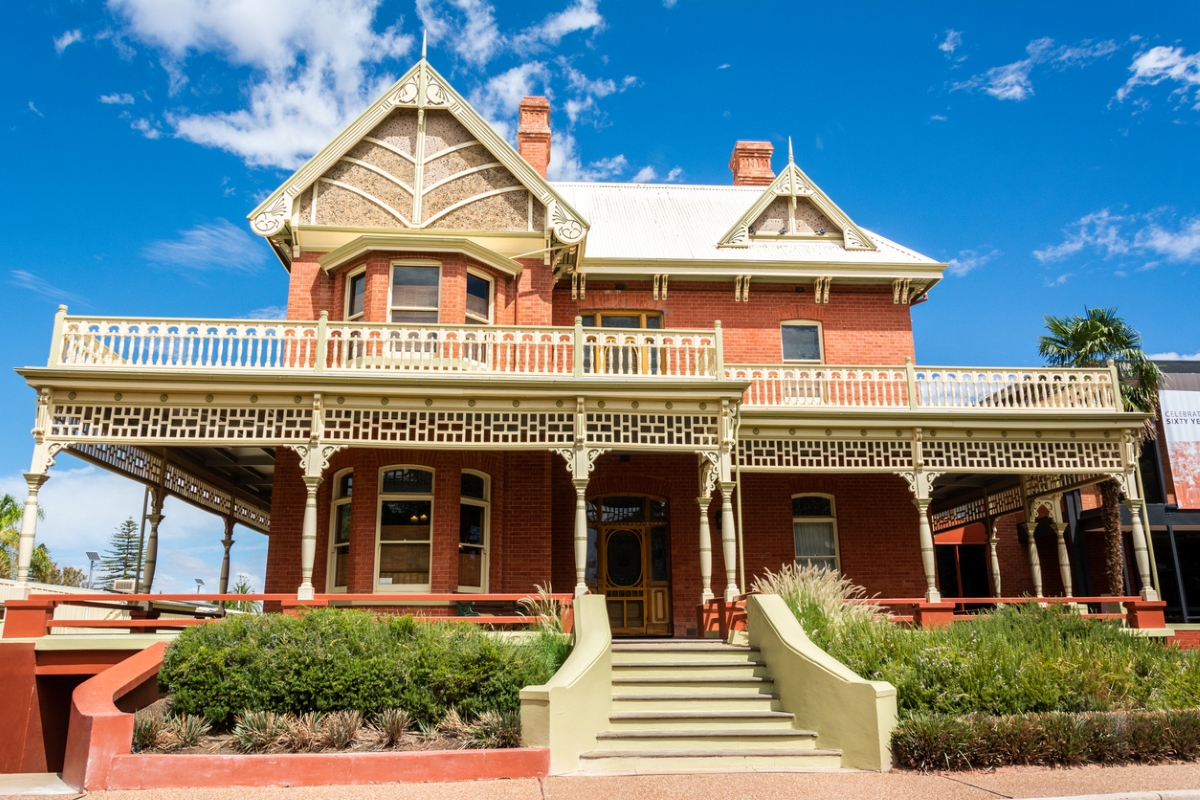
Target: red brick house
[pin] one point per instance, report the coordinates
(489, 381)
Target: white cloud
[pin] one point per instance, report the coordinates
(31, 282)
(580, 16)
(66, 40)
(268, 312)
(938, 118)
(724, 66)
(1013, 82)
(215, 245)
(674, 174)
(968, 261)
(1130, 234)
(566, 164)
(588, 90)
(34, 109)
(1160, 64)
(147, 128)
(644, 175)
(951, 43)
(1173, 356)
(498, 99)
(311, 62)
(669, 3)
(468, 26)
(83, 504)
(115, 99)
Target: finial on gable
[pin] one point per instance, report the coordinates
(791, 160)
(424, 42)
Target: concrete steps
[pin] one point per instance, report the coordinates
(697, 706)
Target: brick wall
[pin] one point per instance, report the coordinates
(860, 324)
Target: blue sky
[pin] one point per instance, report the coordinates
(1049, 152)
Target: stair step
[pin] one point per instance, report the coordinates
(698, 669)
(716, 701)
(779, 740)
(686, 664)
(701, 720)
(731, 655)
(678, 684)
(710, 760)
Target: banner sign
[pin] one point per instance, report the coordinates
(1181, 421)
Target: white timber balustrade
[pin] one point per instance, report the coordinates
(943, 388)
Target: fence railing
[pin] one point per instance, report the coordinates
(35, 616)
(942, 388)
(354, 347)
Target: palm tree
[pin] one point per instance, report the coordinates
(1091, 341)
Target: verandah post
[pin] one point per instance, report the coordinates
(322, 337)
(706, 592)
(227, 542)
(577, 348)
(56, 342)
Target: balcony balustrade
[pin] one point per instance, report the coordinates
(355, 348)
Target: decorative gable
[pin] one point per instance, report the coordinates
(419, 158)
(795, 207)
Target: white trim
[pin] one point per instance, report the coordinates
(387, 146)
(378, 171)
(428, 263)
(350, 276)
(820, 341)
(486, 504)
(470, 200)
(491, 282)
(454, 149)
(368, 197)
(832, 518)
(334, 504)
(380, 497)
(463, 174)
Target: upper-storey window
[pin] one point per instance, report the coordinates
(356, 294)
(415, 293)
(623, 319)
(479, 300)
(801, 341)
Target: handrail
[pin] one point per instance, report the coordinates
(916, 388)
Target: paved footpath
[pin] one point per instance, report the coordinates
(1130, 782)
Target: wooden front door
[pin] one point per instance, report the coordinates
(632, 544)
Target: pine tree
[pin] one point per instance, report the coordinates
(121, 558)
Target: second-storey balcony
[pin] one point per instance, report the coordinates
(323, 347)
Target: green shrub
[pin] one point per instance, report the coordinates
(344, 660)
(977, 741)
(1018, 659)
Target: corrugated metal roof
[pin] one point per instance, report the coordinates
(661, 221)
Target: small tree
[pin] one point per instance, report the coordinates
(243, 586)
(1091, 341)
(42, 568)
(120, 560)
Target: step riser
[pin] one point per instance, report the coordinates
(705, 687)
(675, 671)
(711, 763)
(785, 744)
(697, 703)
(677, 656)
(699, 724)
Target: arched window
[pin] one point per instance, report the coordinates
(474, 518)
(339, 532)
(814, 526)
(404, 538)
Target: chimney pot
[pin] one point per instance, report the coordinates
(751, 164)
(533, 133)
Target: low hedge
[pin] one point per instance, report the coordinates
(347, 660)
(976, 741)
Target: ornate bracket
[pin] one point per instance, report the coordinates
(269, 222)
(660, 287)
(314, 458)
(710, 465)
(566, 227)
(580, 460)
(821, 289)
(920, 483)
(901, 291)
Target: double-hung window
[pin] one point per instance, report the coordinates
(814, 527)
(801, 342)
(415, 290)
(405, 530)
(339, 533)
(473, 512)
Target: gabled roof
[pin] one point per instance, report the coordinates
(420, 88)
(792, 183)
(682, 226)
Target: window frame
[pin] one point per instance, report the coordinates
(350, 276)
(832, 518)
(380, 497)
(810, 323)
(600, 313)
(335, 503)
(486, 505)
(392, 307)
(491, 300)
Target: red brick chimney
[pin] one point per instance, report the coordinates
(533, 134)
(751, 163)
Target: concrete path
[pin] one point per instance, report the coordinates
(1126, 783)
